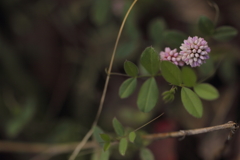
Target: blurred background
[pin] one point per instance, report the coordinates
(53, 55)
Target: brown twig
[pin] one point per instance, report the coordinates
(230, 125)
(54, 149)
(22, 147)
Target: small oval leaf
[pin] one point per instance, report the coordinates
(225, 33)
(150, 60)
(206, 91)
(130, 68)
(205, 25)
(127, 87)
(106, 146)
(148, 95)
(146, 154)
(171, 73)
(105, 137)
(188, 76)
(132, 136)
(191, 102)
(118, 127)
(96, 135)
(123, 146)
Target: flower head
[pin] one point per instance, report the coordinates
(194, 51)
(172, 56)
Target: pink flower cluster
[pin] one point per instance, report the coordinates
(194, 52)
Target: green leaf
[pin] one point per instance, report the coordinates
(206, 91)
(123, 146)
(168, 96)
(148, 95)
(171, 73)
(15, 124)
(125, 49)
(127, 87)
(225, 33)
(104, 155)
(100, 11)
(105, 137)
(207, 69)
(118, 127)
(132, 136)
(150, 60)
(96, 135)
(130, 68)
(173, 38)
(191, 102)
(188, 76)
(146, 154)
(106, 146)
(156, 30)
(206, 26)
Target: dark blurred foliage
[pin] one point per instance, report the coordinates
(53, 57)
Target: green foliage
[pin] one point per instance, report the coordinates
(188, 76)
(150, 60)
(156, 30)
(132, 136)
(171, 73)
(173, 39)
(118, 127)
(125, 49)
(206, 91)
(104, 155)
(148, 95)
(131, 69)
(127, 87)
(206, 26)
(107, 141)
(96, 135)
(100, 12)
(168, 96)
(15, 125)
(106, 146)
(207, 69)
(191, 102)
(123, 144)
(146, 154)
(225, 33)
(105, 137)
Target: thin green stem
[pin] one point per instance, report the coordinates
(88, 135)
(148, 123)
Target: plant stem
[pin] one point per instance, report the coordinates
(88, 135)
(230, 125)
